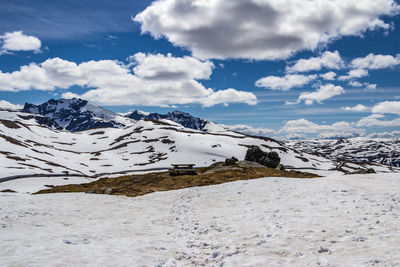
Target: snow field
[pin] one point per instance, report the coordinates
(334, 221)
(35, 184)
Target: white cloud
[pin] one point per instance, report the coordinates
(260, 29)
(303, 126)
(354, 74)
(7, 105)
(161, 80)
(374, 62)
(355, 84)
(329, 60)
(18, 41)
(392, 107)
(360, 66)
(227, 96)
(358, 108)
(323, 93)
(374, 121)
(285, 83)
(250, 130)
(329, 76)
(370, 86)
(160, 67)
(338, 129)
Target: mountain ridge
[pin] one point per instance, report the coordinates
(77, 115)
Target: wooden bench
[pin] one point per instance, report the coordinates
(182, 169)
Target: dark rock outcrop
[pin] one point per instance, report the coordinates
(231, 161)
(270, 159)
(73, 115)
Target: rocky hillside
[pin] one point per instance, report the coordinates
(184, 119)
(77, 114)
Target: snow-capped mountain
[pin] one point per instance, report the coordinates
(184, 119)
(77, 114)
(360, 150)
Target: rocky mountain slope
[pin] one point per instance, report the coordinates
(359, 150)
(184, 119)
(77, 114)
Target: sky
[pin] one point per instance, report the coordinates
(290, 69)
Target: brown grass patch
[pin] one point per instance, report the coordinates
(137, 185)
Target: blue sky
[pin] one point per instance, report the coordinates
(205, 58)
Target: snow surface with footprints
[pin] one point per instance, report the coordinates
(340, 220)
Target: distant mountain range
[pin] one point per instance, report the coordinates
(359, 150)
(78, 115)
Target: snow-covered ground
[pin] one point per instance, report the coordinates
(35, 184)
(334, 221)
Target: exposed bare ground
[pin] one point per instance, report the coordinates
(137, 185)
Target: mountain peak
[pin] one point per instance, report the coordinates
(77, 114)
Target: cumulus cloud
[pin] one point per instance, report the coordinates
(370, 86)
(355, 84)
(354, 74)
(367, 86)
(7, 105)
(375, 62)
(285, 83)
(329, 60)
(160, 67)
(323, 93)
(250, 130)
(335, 130)
(375, 120)
(391, 107)
(358, 108)
(329, 76)
(18, 41)
(161, 80)
(260, 29)
(360, 66)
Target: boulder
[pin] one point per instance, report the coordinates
(231, 161)
(270, 159)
